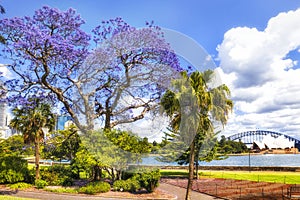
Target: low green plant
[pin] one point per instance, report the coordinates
(87, 190)
(58, 175)
(13, 169)
(68, 181)
(129, 185)
(62, 190)
(149, 179)
(120, 185)
(20, 185)
(40, 184)
(134, 185)
(95, 187)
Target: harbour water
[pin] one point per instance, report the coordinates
(267, 160)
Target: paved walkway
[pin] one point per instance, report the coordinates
(178, 191)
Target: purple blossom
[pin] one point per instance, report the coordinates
(51, 56)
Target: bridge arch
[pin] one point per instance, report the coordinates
(248, 137)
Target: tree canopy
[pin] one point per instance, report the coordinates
(117, 73)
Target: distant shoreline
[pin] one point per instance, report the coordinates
(235, 168)
(263, 153)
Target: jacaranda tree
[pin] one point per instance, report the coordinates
(117, 74)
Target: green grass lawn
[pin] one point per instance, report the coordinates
(259, 176)
(6, 197)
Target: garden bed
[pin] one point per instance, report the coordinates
(143, 194)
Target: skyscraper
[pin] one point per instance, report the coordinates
(2, 115)
(3, 120)
(3, 112)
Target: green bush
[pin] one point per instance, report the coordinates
(134, 185)
(129, 185)
(87, 190)
(13, 169)
(30, 176)
(40, 184)
(120, 185)
(20, 185)
(149, 179)
(95, 187)
(127, 175)
(58, 175)
(68, 182)
(52, 178)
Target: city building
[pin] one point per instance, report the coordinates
(270, 142)
(4, 129)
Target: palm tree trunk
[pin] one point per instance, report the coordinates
(197, 164)
(37, 158)
(197, 170)
(191, 172)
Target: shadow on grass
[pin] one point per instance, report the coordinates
(8, 192)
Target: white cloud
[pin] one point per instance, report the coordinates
(263, 79)
(5, 71)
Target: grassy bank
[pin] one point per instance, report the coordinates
(258, 176)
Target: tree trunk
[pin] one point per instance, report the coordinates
(37, 158)
(113, 174)
(197, 170)
(119, 174)
(107, 125)
(197, 164)
(97, 173)
(191, 171)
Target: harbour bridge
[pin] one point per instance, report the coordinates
(248, 137)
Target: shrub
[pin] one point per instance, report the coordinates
(120, 185)
(68, 182)
(95, 187)
(13, 169)
(58, 175)
(20, 185)
(40, 184)
(87, 190)
(127, 175)
(134, 185)
(149, 179)
(129, 185)
(30, 176)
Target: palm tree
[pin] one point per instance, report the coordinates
(30, 119)
(191, 93)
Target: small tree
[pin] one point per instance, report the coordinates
(192, 107)
(115, 149)
(30, 119)
(63, 144)
(14, 145)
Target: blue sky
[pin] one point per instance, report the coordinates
(204, 21)
(255, 44)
